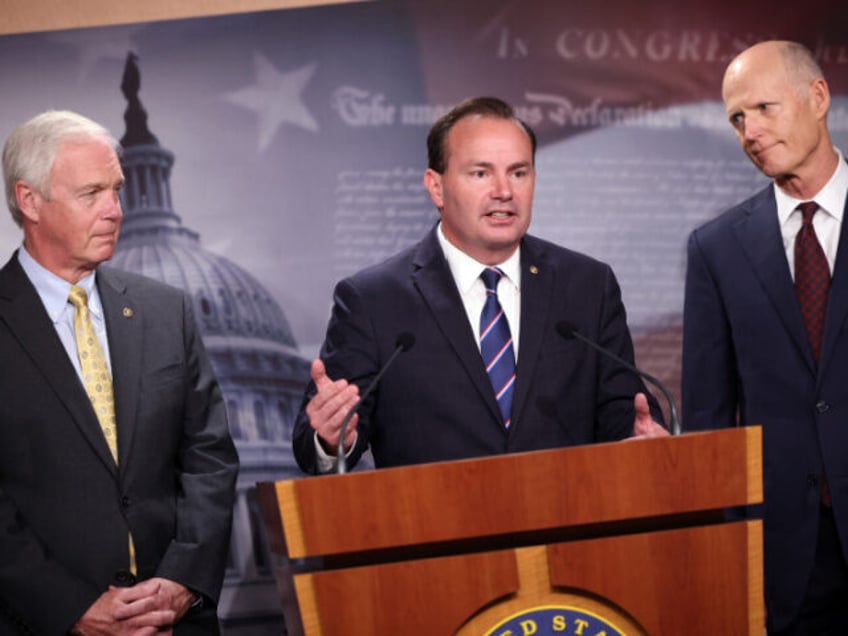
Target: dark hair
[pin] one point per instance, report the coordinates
(485, 106)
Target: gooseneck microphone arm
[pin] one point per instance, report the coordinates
(404, 342)
(569, 331)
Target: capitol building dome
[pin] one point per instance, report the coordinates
(230, 303)
(248, 339)
(244, 330)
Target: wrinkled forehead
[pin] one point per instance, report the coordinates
(86, 157)
(754, 79)
(482, 130)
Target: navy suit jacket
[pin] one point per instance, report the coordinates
(746, 351)
(436, 402)
(65, 507)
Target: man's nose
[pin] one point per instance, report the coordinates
(501, 187)
(113, 206)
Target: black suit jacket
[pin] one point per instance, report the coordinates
(746, 352)
(65, 507)
(436, 402)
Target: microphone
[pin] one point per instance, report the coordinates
(404, 342)
(569, 331)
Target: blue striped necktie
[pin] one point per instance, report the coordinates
(496, 344)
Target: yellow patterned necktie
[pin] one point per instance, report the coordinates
(95, 372)
(96, 378)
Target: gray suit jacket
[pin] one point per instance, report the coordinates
(65, 507)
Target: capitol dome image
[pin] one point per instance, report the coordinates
(250, 344)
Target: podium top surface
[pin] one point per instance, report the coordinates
(574, 492)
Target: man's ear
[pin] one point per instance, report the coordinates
(820, 97)
(29, 200)
(433, 183)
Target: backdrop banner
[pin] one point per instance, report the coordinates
(298, 146)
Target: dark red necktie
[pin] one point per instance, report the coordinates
(812, 286)
(812, 278)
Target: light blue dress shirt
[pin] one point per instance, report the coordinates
(53, 292)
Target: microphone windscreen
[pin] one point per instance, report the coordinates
(565, 329)
(405, 341)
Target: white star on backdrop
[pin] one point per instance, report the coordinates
(276, 98)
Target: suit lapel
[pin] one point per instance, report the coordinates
(537, 280)
(759, 234)
(24, 314)
(837, 304)
(433, 279)
(124, 326)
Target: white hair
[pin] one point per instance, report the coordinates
(30, 151)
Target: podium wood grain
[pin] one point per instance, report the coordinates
(638, 524)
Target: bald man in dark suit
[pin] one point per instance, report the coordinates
(765, 339)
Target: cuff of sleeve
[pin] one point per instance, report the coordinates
(327, 462)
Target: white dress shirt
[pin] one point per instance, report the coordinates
(827, 221)
(466, 274)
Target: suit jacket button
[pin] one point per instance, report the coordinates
(124, 578)
(125, 502)
(822, 407)
(812, 480)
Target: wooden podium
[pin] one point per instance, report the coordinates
(629, 533)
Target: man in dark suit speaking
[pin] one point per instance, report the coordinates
(468, 387)
(117, 471)
(765, 339)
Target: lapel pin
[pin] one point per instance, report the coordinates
(128, 313)
(534, 269)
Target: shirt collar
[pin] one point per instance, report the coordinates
(831, 198)
(54, 290)
(466, 270)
